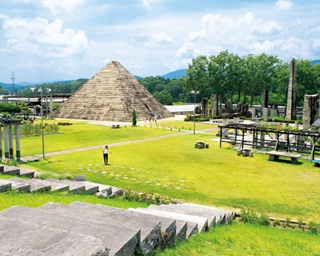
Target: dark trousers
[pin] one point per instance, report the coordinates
(105, 157)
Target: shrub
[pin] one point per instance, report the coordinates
(264, 220)
(131, 195)
(248, 216)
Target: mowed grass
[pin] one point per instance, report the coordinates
(172, 166)
(245, 239)
(214, 176)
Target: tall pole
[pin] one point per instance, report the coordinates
(194, 114)
(42, 128)
(194, 92)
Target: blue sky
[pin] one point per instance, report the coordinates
(47, 40)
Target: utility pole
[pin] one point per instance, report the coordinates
(13, 78)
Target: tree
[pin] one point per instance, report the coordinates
(197, 76)
(164, 97)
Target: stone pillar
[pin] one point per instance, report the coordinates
(205, 107)
(310, 109)
(6, 141)
(265, 114)
(291, 100)
(253, 111)
(214, 105)
(0, 143)
(10, 142)
(265, 101)
(17, 133)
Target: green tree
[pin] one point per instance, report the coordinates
(164, 97)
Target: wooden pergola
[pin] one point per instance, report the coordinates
(273, 140)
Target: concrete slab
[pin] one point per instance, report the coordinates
(74, 187)
(36, 185)
(121, 241)
(225, 215)
(212, 214)
(19, 185)
(10, 170)
(192, 227)
(19, 237)
(180, 226)
(5, 186)
(57, 186)
(90, 188)
(200, 220)
(24, 172)
(150, 231)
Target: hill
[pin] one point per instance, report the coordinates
(176, 74)
(315, 62)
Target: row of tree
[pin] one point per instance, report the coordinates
(230, 76)
(243, 79)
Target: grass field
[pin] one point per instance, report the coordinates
(173, 166)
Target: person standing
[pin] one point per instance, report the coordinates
(105, 154)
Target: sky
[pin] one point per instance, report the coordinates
(50, 40)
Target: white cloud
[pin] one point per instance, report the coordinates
(284, 4)
(147, 3)
(42, 38)
(187, 51)
(159, 39)
(59, 6)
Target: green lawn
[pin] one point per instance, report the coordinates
(173, 166)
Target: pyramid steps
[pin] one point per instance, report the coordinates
(88, 229)
(111, 94)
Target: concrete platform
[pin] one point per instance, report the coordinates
(192, 226)
(36, 185)
(5, 186)
(121, 241)
(150, 231)
(23, 238)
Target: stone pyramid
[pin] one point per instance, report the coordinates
(111, 95)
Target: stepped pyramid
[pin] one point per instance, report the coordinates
(111, 95)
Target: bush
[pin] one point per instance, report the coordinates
(131, 195)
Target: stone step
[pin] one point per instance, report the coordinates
(74, 187)
(90, 187)
(181, 226)
(24, 172)
(214, 215)
(120, 240)
(192, 226)
(36, 185)
(202, 221)
(10, 170)
(226, 216)
(150, 231)
(19, 185)
(25, 238)
(5, 186)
